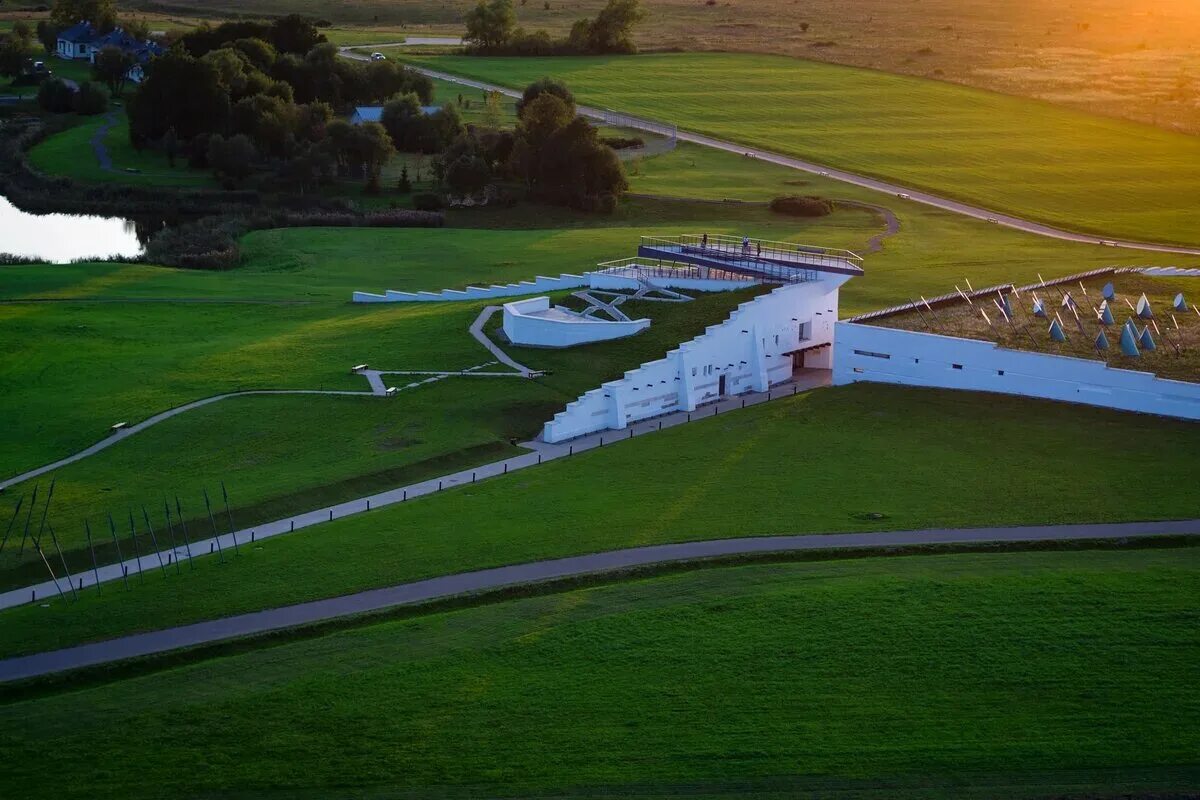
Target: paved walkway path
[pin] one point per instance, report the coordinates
(485, 580)
(896, 190)
(98, 145)
(477, 331)
(538, 452)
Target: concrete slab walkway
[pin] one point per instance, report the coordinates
(485, 580)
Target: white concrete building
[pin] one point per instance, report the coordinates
(761, 344)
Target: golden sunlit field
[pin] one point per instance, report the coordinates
(1135, 59)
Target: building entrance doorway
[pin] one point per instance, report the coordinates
(721, 386)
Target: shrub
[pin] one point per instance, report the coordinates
(428, 201)
(802, 206)
(623, 142)
(91, 99)
(56, 97)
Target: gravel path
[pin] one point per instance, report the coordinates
(487, 580)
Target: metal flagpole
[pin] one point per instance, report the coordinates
(183, 527)
(95, 568)
(137, 553)
(28, 519)
(112, 526)
(232, 533)
(17, 513)
(63, 559)
(213, 522)
(154, 540)
(171, 533)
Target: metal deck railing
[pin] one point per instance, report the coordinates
(641, 267)
(744, 252)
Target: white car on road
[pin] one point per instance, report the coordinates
(378, 57)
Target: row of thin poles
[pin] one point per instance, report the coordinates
(44, 528)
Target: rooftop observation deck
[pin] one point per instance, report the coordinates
(775, 262)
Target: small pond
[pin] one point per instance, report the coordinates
(61, 238)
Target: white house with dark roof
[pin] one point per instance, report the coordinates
(83, 41)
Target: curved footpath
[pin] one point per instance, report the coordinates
(896, 190)
(489, 580)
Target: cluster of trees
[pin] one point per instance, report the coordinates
(56, 96)
(247, 95)
(16, 50)
(557, 155)
(492, 29)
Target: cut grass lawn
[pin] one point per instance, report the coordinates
(1008, 674)
(827, 460)
(283, 454)
(1068, 168)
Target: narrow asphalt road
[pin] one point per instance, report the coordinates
(486, 580)
(896, 190)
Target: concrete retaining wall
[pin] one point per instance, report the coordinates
(886, 355)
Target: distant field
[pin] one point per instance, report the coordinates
(1121, 58)
(1067, 168)
(1027, 675)
(823, 461)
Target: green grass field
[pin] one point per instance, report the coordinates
(274, 452)
(823, 461)
(1015, 675)
(1064, 167)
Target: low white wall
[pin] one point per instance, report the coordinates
(541, 283)
(886, 355)
(748, 350)
(520, 328)
(615, 282)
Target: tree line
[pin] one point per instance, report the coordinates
(492, 30)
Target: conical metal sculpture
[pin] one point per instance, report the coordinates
(1101, 341)
(1146, 341)
(1143, 308)
(1129, 342)
(1056, 332)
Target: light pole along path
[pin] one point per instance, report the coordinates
(894, 189)
(490, 580)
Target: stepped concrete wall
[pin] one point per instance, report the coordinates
(541, 283)
(750, 351)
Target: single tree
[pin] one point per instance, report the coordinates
(111, 68)
(545, 86)
(490, 23)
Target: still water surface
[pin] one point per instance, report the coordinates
(60, 238)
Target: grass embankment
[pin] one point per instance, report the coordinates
(1015, 675)
(1176, 334)
(1033, 159)
(281, 454)
(825, 461)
